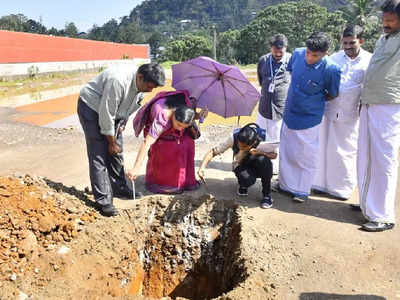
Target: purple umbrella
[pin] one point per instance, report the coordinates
(223, 89)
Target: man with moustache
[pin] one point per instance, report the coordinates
(104, 106)
(379, 135)
(274, 80)
(315, 79)
(336, 173)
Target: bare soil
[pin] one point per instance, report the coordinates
(204, 244)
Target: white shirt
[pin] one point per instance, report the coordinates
(345, 106)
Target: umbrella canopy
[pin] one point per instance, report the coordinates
(223, 89)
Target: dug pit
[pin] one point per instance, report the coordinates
(54, 245)
(185, 247)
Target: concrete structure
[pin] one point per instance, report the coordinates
(24, 54)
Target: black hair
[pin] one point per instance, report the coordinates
(173, 101)
(184, 114)
(318, 42)
(353, 31)
(248, 134)
(278, 40)
(152, 73)
(391, 6)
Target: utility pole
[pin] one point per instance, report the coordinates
(215, 43)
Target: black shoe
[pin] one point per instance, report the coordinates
(355, 207)
(109, 210)
(376, 226)
(318, 192)
(242, 191)
(267, 202)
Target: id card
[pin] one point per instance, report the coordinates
(271, 87)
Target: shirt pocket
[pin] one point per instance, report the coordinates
(311, 87)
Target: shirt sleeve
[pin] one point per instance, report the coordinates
(110, 99)
(225, 145)
(160, 122)
(332, 80)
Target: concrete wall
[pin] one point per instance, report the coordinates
(25, 53)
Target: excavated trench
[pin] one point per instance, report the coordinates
(185, 247)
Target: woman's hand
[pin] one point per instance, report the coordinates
(254, 151)
(132, 174)
(270, 155)
(201, 173)
(201, 115)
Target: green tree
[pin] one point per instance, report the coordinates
(187, 47)
(13, 22)
(33, 26)
(70, 30)
(155, 40)
(226, 46)
(52, 31)
(297, 20)
(130, 34)
(358, 11)
(365, 14)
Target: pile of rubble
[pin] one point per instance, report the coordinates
(34, 218)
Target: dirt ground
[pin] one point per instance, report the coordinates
(54, 245)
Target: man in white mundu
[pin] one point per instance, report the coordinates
(336, 172)
(315, 79)
(379, 136)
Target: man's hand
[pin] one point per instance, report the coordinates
(113, 149)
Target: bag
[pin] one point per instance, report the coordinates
(193, 131)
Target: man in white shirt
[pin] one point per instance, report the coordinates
(336, 172)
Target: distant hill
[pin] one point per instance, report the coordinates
(175, 15)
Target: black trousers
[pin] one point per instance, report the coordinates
(256, 166)
(107, 174)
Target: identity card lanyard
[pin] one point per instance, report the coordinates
(271, 87)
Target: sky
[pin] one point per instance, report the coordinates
(83, 13)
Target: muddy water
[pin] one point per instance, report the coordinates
(57, 108)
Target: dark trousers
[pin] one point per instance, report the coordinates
(256, 166)
(107, 174)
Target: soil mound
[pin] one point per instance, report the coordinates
(33, 218)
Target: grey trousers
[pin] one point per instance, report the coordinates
(107, 174)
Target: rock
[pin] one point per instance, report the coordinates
(13, 277)
(22, 296)
(63, 250)
(29, 245)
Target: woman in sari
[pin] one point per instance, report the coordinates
(168, 128)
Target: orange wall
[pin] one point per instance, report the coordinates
(20, 47)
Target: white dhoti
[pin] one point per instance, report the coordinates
(377, 161)
(298, 159)
(337, 158)
(272, 134)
